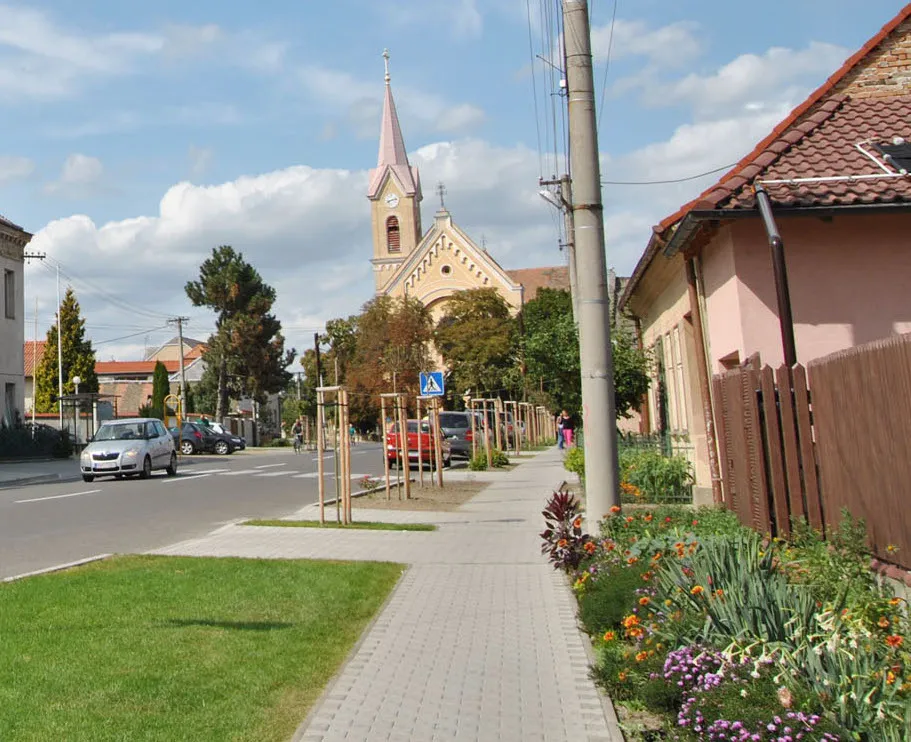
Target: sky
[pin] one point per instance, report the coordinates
(136, 137)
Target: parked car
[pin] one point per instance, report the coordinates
(238, 442)
(426, 444)
(456, 428)
(193, 438)
(133, 447)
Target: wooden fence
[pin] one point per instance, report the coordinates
(809, 442)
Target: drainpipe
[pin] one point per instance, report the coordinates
(781, 275)
(705, 388)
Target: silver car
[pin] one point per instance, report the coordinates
(136, 446)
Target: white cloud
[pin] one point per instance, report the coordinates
(306, 230)
(750, 81)
(79, 176)
(15, 168)
(668, 46)
(362, 103)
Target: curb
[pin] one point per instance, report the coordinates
(37, 479)
(56, 568)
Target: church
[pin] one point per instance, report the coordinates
(432, 265)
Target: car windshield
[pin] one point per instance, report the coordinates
(454, 420)
(121, 432)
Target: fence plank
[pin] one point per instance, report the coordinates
(775, 453)
(721, 427)
(756, 464)
(807, 448)
(740, 501)
(789, 442)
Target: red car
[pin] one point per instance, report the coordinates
(426, 443)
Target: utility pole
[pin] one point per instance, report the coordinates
(34, 256)
(319, 372)
(602, 489)
(183, 376)
(564, 202)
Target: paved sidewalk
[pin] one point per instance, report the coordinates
(478, 640)
(15, 474)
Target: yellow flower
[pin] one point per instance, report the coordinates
(890, 677)
(891, 548)
(697, 590)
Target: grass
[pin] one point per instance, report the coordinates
(162, 648)
(365, 525)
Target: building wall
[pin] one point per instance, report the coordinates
(885, 71)
(849, 280)
(12, 333)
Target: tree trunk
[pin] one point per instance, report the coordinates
(221, 405)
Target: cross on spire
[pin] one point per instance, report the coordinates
(386, 62)
(441, 192)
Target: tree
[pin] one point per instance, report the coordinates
(78, 357)
(551, 346)
(478, 341)
(161, 387)
(247, 349)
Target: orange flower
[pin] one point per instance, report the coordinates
(630, 519)
(697, 590)
(630, 620)
(609, 636)
(719, 593)
(895, 640)
(621, 676)
(644, 600)
(632, 560)
(883, 622)
(577, 523)
(895, 601)
(590, 547)
(635, 632)
(615, 509)
(648, 518)
(890, 677)
(641, 656)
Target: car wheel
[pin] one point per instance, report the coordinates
(146, 468)
(88, 478)
(222, 448)
(118, 476)
(187, 448)
(447, 462)
(171, 468)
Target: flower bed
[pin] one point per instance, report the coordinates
(716, 633)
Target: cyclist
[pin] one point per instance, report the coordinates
(297, 430)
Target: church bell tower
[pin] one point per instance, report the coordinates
(395, 196)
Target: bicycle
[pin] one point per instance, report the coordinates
(298, 443)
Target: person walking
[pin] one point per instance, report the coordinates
(567, 427)
(560, 430)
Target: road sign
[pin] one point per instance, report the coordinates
(432, 384)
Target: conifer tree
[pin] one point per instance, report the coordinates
(161, 387)
(78, 357)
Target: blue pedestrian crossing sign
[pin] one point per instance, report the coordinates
(432, 384)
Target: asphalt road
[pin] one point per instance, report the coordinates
(44, 525)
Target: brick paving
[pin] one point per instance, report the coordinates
(478, 640)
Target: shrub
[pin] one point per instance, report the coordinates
(564, 543)
(499, 458)
(647, 475)
(574, 461)
(607, 597)
(27, 441)
(478, 462)
(280, 442)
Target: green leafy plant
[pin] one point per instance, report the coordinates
(650, 476)
(574, 461)
(478, 462)
(608, 596)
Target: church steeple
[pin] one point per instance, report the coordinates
(394, 193)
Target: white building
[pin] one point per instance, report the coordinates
(13, 240)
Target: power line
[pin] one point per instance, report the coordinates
(610, 48)
(534, 88)
(127, 337)
(665, 182)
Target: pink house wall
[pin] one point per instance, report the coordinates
(849, 276)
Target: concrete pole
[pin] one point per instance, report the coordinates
(602, 488)
(183, 373)
(569, 226)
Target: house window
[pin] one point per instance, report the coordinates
(446, 270)
(670, 363)
(680, 391)
(9, 294)
(393, 237)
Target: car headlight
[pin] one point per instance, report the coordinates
(85, 456)
(131, 453)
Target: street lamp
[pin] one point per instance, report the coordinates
(76, 382)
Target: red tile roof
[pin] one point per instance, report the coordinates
(195, 352)
(110, 368)
(532, 279)
(34, 351)
(815, 139)
(716, 193)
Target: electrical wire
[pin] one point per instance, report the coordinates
(534, 89)
(610, 48)
(665, 182)
(126, 337)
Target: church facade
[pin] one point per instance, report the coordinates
(433, 265)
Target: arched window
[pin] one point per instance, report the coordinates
(393, 240)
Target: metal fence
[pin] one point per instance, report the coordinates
(807, 443)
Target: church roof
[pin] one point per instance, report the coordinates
(533, 279)
(393, 156)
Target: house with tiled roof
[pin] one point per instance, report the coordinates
(13, 240)
(836, 174)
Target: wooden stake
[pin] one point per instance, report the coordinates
(385, 444)
(320, 467)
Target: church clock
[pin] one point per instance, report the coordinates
(391, 200)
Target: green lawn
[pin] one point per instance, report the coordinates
(365, 525)
(162, 648)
